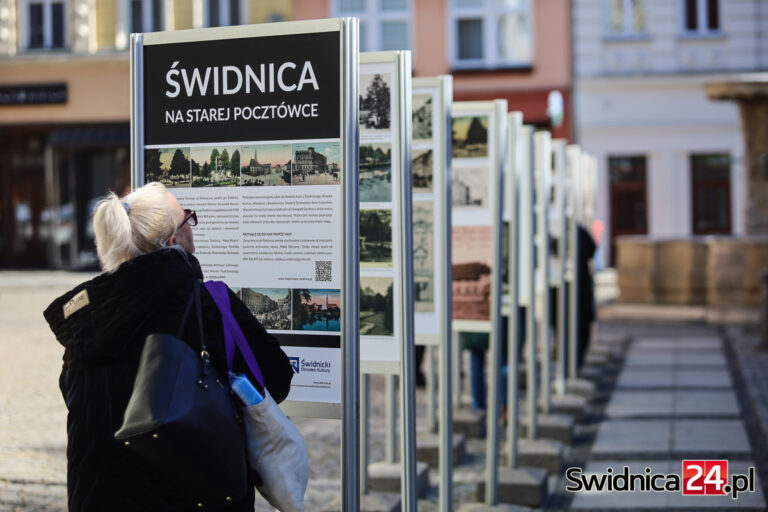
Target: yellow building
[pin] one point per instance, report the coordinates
(64, 112)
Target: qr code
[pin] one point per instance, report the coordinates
(323, 270)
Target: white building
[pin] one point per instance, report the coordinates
(670, 162)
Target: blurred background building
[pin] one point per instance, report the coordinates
(630, 73)
(670, 160)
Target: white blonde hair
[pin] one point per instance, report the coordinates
(124, 232)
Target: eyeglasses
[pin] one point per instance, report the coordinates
(190, 216)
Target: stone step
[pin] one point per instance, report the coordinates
(520, 486)
(468, 423)
(385, 477)
(428, 449)
(371, 502)
(540, 453)
(558, 427)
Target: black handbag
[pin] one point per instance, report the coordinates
(182, 420)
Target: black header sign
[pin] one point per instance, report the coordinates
(33, 94)
(252, 89)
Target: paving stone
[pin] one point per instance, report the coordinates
(705, 403)
(558, 427)
(520, 486)
(628, 404)
(633, 436)
(703, 379)
(708, 436)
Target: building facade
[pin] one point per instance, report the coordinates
(670, 161)
(65, 112)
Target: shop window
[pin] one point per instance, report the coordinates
(384, 24)
(491, 33)
(222, 13)
(711, 193)
(44, 24)
(146, 15)
(701, 16)
(626, 18)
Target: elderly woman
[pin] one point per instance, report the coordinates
(144, 242)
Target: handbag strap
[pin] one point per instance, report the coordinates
(233, 334)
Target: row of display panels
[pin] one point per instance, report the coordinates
(270, 190)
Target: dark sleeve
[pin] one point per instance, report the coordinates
(272, 360)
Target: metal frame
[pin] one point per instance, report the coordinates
(559, 280)
(574, 158)
(347, 409)
(542, 177)
(514, 161)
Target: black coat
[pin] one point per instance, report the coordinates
(103, 343)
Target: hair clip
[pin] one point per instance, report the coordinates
(127, 207)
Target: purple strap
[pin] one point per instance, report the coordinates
(233, 334)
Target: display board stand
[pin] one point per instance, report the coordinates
(574, 159)
(543, 177)
(386, 198)
(251, 126)
(560, 232)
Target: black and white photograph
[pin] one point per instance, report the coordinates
(265, 165)
(271, 307)
(375, 173)
(470, 136)
(423, 256)
(217, 166)
(422, 171)
(422, 117)
(375, 238)
(169, 166)
(316, 310)
(470, 187)
(375, 103)
(316, 163)
(376, 306)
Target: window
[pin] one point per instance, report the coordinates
(711, 193)
(491, 33)
(45, 24)
(626, 17)
(628, 197)
(222, 12)
(384, 24)
(146, 15)
(701, 16)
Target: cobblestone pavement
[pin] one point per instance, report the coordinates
(33, 416)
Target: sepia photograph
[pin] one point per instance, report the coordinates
(422, 117)
(376, 306)
(423, 256)
(470, 136)
(316, 310)
(375, 173)
(265, 165)
(316, 163)
(472, 256)
(374, 103)
(470, 187)
(422, 171)
(217, 166)
(271, 307)
(375, 238)
(169, 166)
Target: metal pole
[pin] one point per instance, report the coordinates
(365, 411)
(390, 438)
(431, 387)
(543, 159)
(456, 383)
(515, 120)
(527, 203)
(558, 148)
(407, 370)
(498, 154)
(573, 171)
(446, 305)
(350, 282)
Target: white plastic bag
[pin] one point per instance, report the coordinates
(277, 451)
